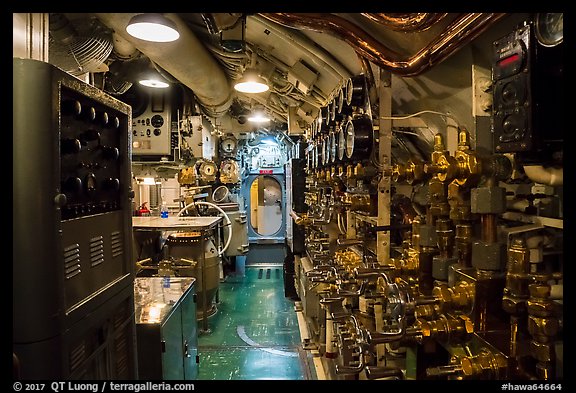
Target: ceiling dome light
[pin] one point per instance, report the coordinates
(152, 78)
(153, 27)
(251, 82)
(155, 83)
(258, 117)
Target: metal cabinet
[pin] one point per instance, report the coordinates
(166, 328)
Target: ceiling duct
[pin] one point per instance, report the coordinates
(186, 59)
(457, 34)
(78, 49)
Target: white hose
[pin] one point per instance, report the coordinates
(228, 222)
(549, 176)
(341, 225)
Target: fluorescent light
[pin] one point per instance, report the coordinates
(153, 27)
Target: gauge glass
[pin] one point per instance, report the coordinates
(350, 135)
(349, 91)
(333, 147)
(340, 100)
(549, 28)
(341, 144)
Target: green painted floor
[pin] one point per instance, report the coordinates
(254, 335)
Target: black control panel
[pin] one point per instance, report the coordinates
(528, 94)
(89, 155)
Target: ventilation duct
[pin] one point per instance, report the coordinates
(78, 49)
(186, 59)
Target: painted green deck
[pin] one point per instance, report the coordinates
(254, 335)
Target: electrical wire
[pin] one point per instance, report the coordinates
(418, 114)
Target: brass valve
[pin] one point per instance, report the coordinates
(442, 165)
(446, 329)
(459, 297)
(468, 163)
(485, 365)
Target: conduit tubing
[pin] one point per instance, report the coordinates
(459, 33)
(208, 81)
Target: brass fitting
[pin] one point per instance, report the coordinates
(446, 329)
(485, 365)
(468, 164)
(459, 297)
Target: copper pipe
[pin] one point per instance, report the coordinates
(459, 33)
(489, 227)
(406, 22)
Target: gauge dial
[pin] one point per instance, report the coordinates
(333, 147)
(228, 144)
(341, 144)
(549, 28)
(350, 139)
(157, 121)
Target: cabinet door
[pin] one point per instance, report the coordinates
(172, 352)
(190, 334)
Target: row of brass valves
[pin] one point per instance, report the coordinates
(544, 324)
(360, 341)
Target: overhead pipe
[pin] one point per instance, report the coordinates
(550, 176)
(412, 22)
(208, 81)
(328, 62)
(456, 35)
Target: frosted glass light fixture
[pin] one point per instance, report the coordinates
(153, 27)
(251, 82)
(258, 116)
(152, 78)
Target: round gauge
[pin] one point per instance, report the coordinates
(157, 121)
(332, 107)
(549, 28)
(340, 100)
(349, 91)
(209, 170)
(341, 144)
(228, 144)
(326, 114)
(333, 147)
(350, 137)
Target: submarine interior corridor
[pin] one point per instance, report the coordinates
(289, 196)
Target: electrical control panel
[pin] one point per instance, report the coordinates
(151, 130)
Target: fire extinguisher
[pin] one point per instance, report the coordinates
(143, 210)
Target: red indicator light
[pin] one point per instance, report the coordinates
(509, 60)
